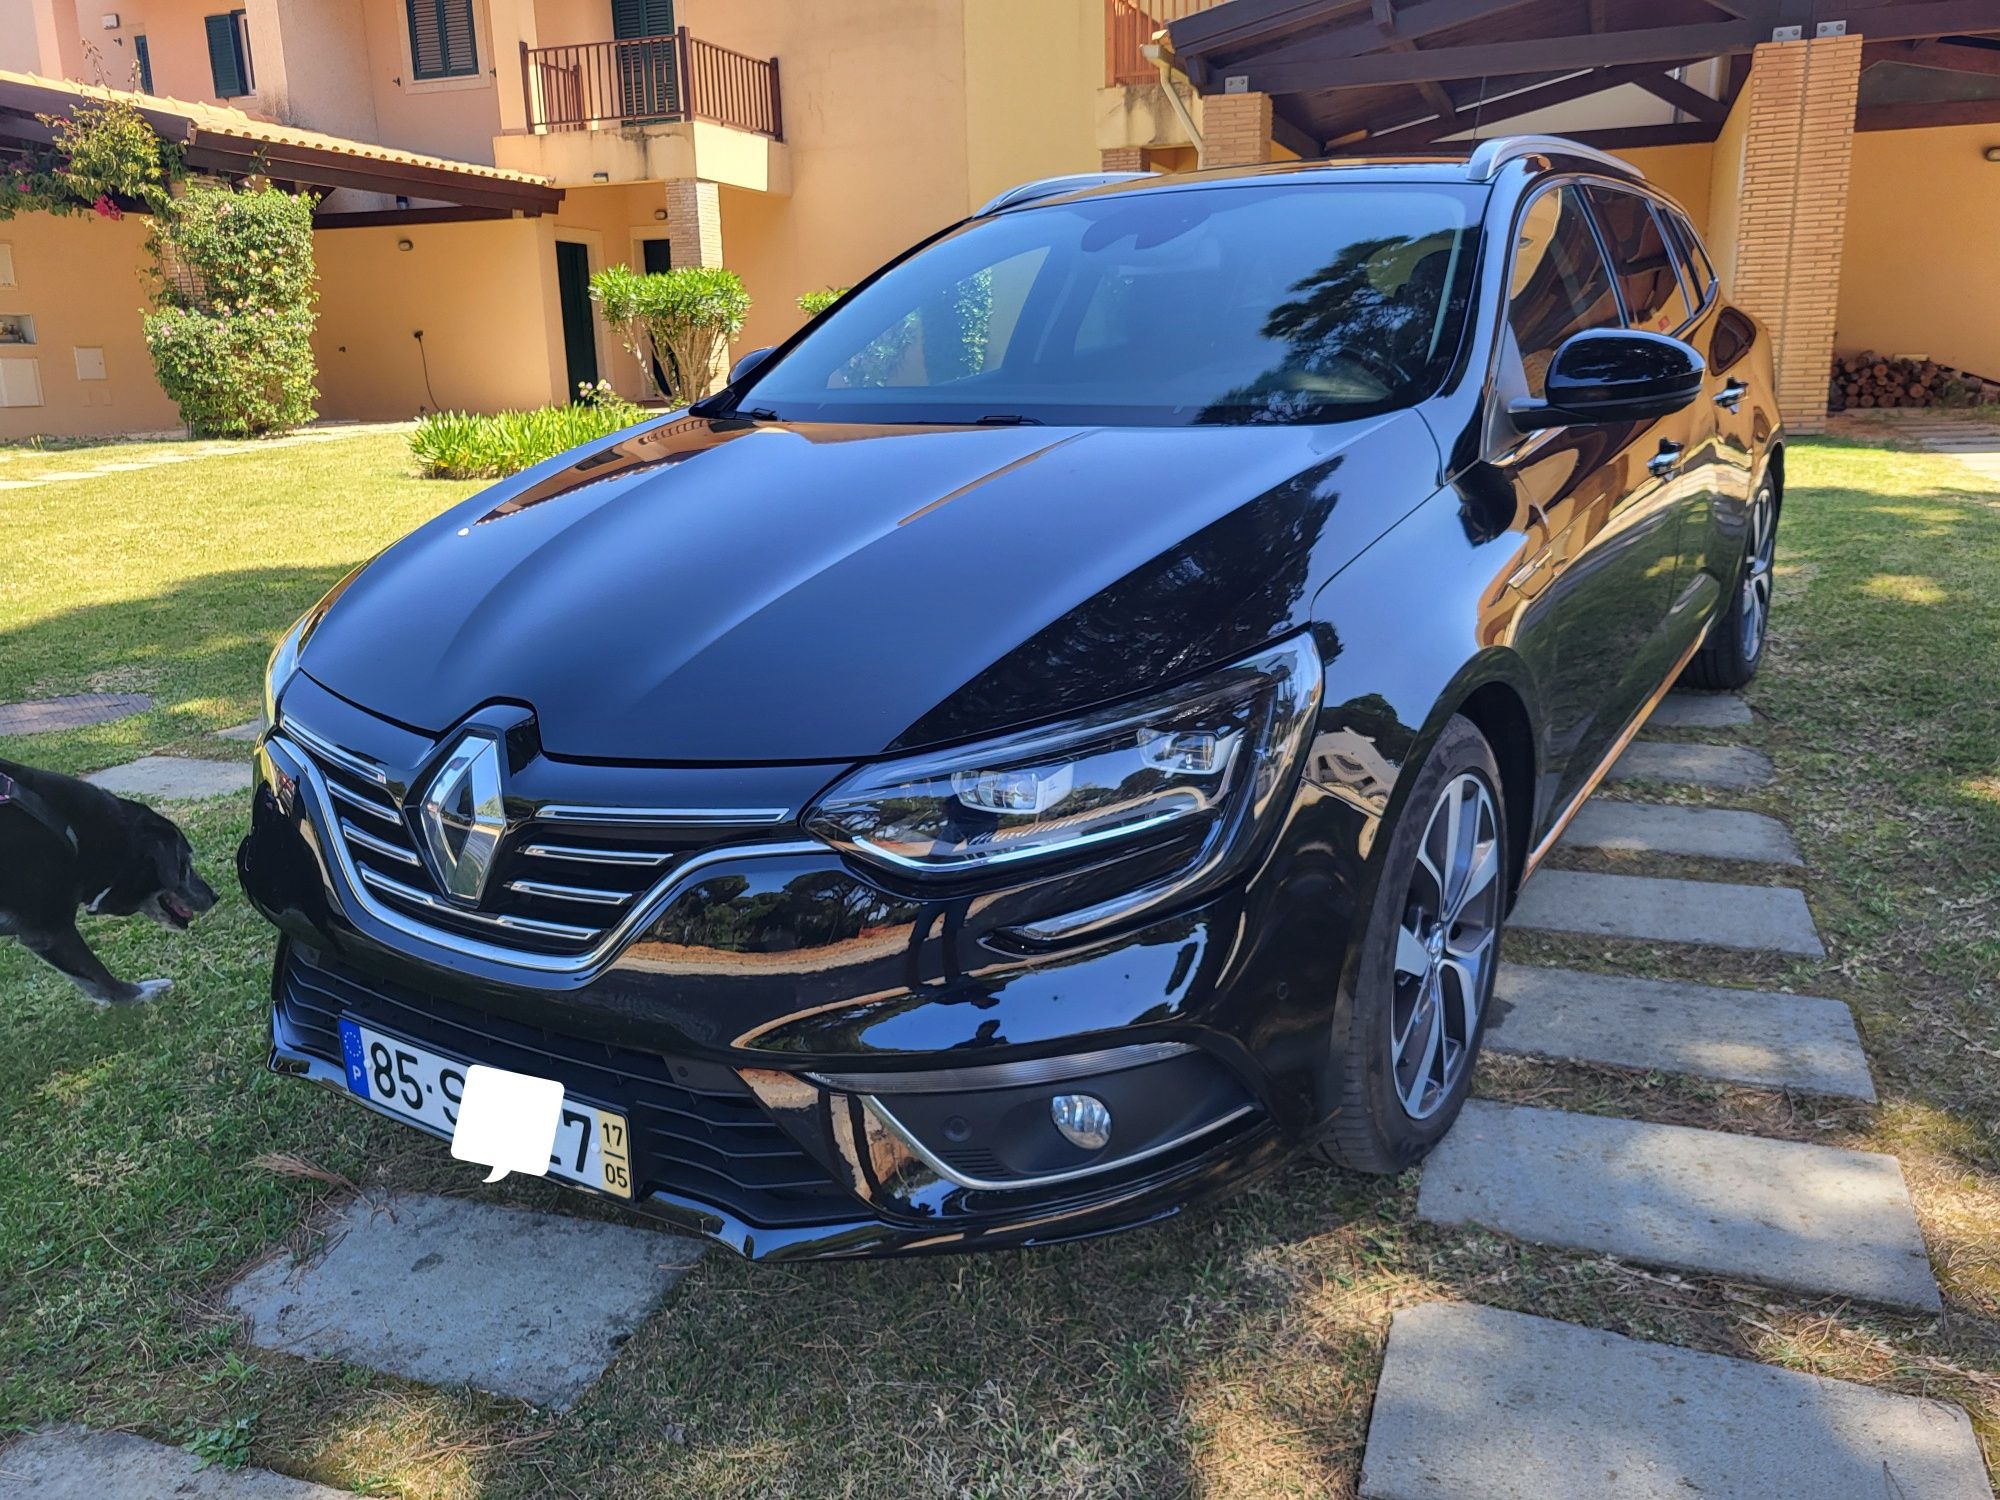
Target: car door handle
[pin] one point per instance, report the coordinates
(1732, 394)
(1667, 459)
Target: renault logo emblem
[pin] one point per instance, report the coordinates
(463, 819)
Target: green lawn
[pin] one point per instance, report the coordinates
(1231, 1353)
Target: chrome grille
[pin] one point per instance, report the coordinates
(562, 882)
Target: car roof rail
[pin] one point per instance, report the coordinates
(1051, 187)
(1485, 163)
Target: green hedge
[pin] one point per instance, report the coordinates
(460, 445)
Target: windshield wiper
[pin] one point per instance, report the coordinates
(1009, 419)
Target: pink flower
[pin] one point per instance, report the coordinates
(106, 209)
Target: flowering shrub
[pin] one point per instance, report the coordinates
(232, 339)
(103, 155)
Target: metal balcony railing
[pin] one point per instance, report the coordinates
(650, 80)
(1129, 25)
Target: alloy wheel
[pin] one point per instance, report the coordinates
(1757, 560)
(1445, 946)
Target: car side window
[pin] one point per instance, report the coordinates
(1694, 259)
(1647, 277)
(1559, 284)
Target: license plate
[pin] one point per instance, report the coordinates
(593, 1146)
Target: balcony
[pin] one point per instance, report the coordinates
(650, 80)
(1128, 26)
(645, 109)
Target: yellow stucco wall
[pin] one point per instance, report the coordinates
(874, 100)
(1923, 240)
(1682, 172)
(1725, 189)
(82, 280)
(1033, 69)
(483, 293)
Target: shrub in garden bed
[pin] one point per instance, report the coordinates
(464, 445)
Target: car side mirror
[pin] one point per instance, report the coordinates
(1614, 375)
(748, 363)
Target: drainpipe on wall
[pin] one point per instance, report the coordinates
(1158, 56)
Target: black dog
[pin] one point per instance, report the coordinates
(65, 843)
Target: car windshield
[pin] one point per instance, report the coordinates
(1264, 303)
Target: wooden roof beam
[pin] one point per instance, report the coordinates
(1660, 45)
(1688, 100)
(1482, 112)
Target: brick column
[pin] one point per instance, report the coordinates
(1797, 149)
(1235, 129)
(1123, 159)
(694, 222)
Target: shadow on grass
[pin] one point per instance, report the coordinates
(199, 648)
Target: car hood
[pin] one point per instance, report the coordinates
(713, 590)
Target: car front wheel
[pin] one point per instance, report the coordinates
(1427, 963)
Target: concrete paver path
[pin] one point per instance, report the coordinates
(456, 1292)
(1764, 918)
(70, 1463)
(1812, 1218)
(1702, 832)
(42, 715)
(1476, 1402)
(1700, 711)
(174, 778)
(1746, 1036)
(1730, 768)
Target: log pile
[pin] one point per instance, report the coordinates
(1869, 379)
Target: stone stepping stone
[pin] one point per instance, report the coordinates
(174, 778)
(69, 1463)
(1700, 711)
(1726, 767)
(1763, 918)
(245, 733)
(1704, 832)
(1780, 1041)
(1811, 1218)
(455, 1292)
(45, 714)
(1505, 1406)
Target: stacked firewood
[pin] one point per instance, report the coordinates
(1869, 379)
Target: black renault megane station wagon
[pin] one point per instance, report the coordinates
(1058, 736)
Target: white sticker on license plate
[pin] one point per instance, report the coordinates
(593, 1146)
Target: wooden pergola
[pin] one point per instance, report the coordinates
(1389, 75)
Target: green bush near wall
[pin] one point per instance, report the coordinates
(463, 445)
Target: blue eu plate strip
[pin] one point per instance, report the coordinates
(357, 1066)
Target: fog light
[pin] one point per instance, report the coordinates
(1083, 1121)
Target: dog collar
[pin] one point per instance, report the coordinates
(14, 794)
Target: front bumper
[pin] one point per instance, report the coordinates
(757, 1024)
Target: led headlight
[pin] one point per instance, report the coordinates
(1192, 763)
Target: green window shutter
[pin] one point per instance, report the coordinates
(225, 57)
(145, 60)
(441, 39)
(636, 18)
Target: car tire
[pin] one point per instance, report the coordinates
(1734, 650)
(1397, 1096)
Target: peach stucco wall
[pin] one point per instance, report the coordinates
(482, 292)
(1923, 222)
(82, 280)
